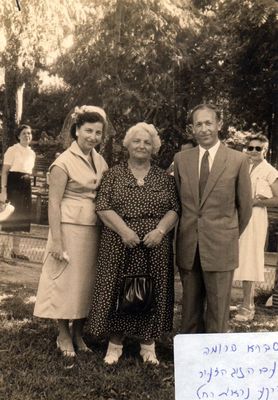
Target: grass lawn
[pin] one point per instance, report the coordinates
(31, 367)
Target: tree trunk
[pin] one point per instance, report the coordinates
(13, 106)
(19, 103)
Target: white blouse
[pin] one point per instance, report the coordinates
(20, 158)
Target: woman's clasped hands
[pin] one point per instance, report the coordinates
(130, 238)
(151, 239)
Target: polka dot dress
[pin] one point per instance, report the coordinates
(141, 207)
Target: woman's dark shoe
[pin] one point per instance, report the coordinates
(65, 352)
(19, 256)
(81, 346)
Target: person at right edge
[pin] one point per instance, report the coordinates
(215, 193)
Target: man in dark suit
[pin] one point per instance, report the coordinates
(215, 193)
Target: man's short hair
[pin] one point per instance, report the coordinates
(204, 106)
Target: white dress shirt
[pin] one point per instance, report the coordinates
(212, 151)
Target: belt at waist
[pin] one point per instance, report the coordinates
(19, 174)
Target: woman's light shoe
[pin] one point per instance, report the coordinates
(113, 353)
(19, 256)
(147, 352)
(245, 314)
(65, 352)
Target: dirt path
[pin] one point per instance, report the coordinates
(23, 272)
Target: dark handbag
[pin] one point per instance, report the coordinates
(136, 292)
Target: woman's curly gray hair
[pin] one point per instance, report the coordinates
(150, 129)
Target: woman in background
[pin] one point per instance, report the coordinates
(264, 179)
(19, 161)
(68, 274)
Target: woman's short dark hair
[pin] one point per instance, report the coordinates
(20, 129)
(80, 118)
(260, 137)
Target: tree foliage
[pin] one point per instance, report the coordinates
(235, 62)
(130, 61)
(28, 36)
(154, 60)
(150, 60)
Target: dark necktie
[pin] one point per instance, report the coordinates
(204, 173)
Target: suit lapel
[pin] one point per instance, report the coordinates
(192, 160)
(217, 169)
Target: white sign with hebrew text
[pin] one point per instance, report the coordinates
(232, 366)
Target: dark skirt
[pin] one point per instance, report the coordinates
(19, 194)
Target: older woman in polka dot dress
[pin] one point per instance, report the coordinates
(137, 203)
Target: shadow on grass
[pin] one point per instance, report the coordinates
(32, 368)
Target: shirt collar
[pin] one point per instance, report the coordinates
(212, 150)
(19, 146)
(74, 148)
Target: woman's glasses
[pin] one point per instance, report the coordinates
(252, 148)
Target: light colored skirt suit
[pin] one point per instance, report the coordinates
(65, 289)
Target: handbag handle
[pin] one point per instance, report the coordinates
(146, 252)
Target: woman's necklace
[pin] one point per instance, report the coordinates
(139, 174)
